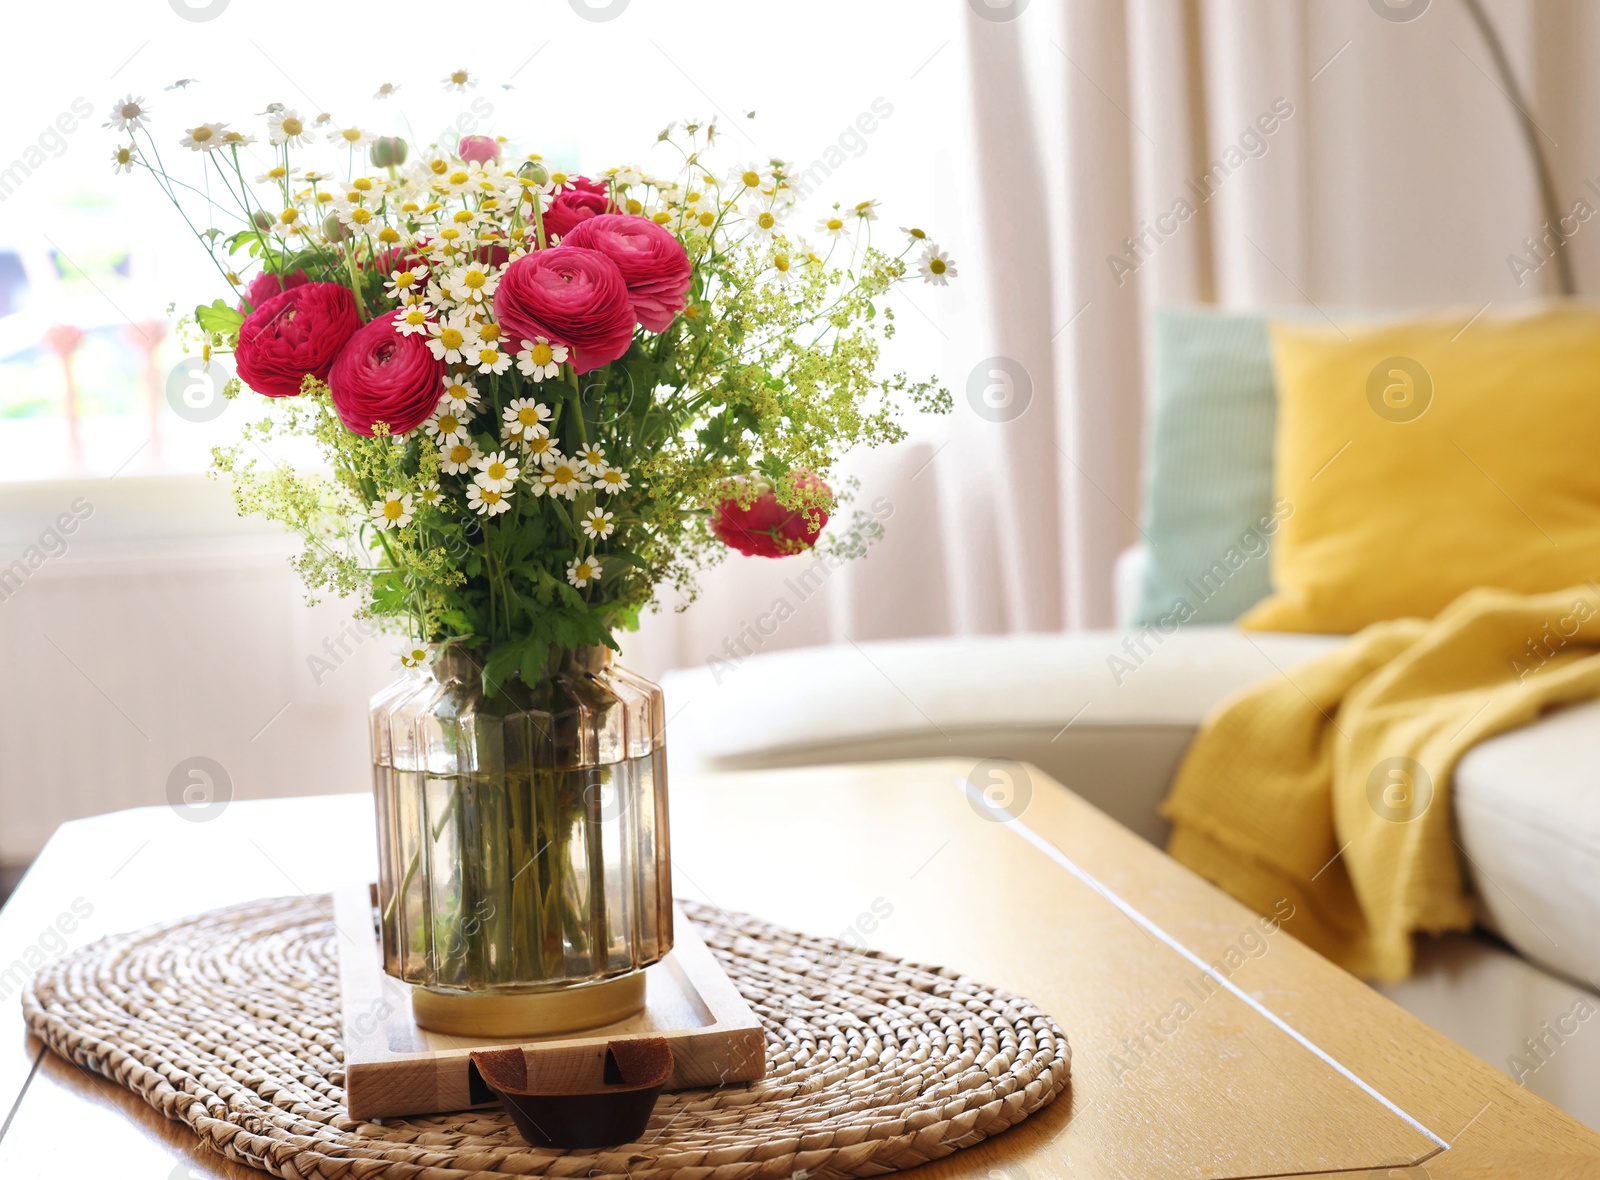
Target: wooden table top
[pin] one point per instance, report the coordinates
(1270, 1062)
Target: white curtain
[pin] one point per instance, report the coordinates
(1110, 157)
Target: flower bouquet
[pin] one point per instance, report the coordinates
(539, 398)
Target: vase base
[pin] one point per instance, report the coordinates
(529, 1014)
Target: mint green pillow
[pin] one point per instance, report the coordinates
(1208, 466)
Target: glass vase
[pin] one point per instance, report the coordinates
(524, 869)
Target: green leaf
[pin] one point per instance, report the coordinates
(502, 661)
(218, 318)
(534, 655)
(626, 557)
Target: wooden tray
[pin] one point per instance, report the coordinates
(392, 1067)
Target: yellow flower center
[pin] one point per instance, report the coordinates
(708, 219)
(834, 224)
(661, 218)
(388, 235)
(781, 261)
(124, 155)
(415, 317)
(457, 393)
(324, 198)
(462, 217)
(488, 356)
(558, 178)
(863, 206)
(448, 424)
(459, 178)
(458, 77)
(351, 134)
(563, 474)
(200, 134)
(542, 354)
(392, 510)
(364, 183)
(130, 110)
(438, 167)
(538, 446)
(460, 453)
(405, 278)
(488, 331)
(277, 173)
(474, 279)
(449, 233)
(751, 179)
(293, 126)
(361, 216)
(766, 221)
(916, 233)
(936, 265)
(612, 477)
(528, 416)
(496, 471)
(635, 207)
(288, 216)
(450, 337)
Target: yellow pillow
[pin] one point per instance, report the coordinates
(1427, 458)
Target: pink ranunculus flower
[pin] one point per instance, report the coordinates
(584, 200)
(265, 285)
(478, 149)
(294, 335)
(570, 296)
(653, 263)
(769, 529)
(382, 376)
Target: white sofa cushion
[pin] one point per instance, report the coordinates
(1527, 806)
(1109, 714)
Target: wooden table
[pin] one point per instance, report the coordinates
(1274, 1063)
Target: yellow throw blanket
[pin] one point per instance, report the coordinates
(1329, 786)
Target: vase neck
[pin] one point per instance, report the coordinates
(457, 663)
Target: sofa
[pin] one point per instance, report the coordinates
(1108, 714)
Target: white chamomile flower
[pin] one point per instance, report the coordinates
(287, 127)
(593, 459)
(784, 265)
(487, 501)
(448, 340)
(413, 321)
(496, 472)
(407, 283)
(832, 225)
(460, 392)
(386, 90)
(128, 115)
(448, 425)
(539, 359)
(351, 137)
(525, 419)
(473, 283)
(564, 477)
(429, 493)
(413, 653)
(748, 175)
(456, 181)
(489, 358)
(237, 139)
(867, 210)
(763, 222)
(460, 81)
(123, 157)
(599, 524)
(277, 175)
(459, 458)
(915, 234)
(560, 182)
(393, 511)
(612, 480)
(627, 176)
(541, 450)
(583, 571)
(936, 267)
(359, 218)
(205, 138)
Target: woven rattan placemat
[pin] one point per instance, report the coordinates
(229, 1022)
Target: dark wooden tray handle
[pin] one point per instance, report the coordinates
(612, 1108)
